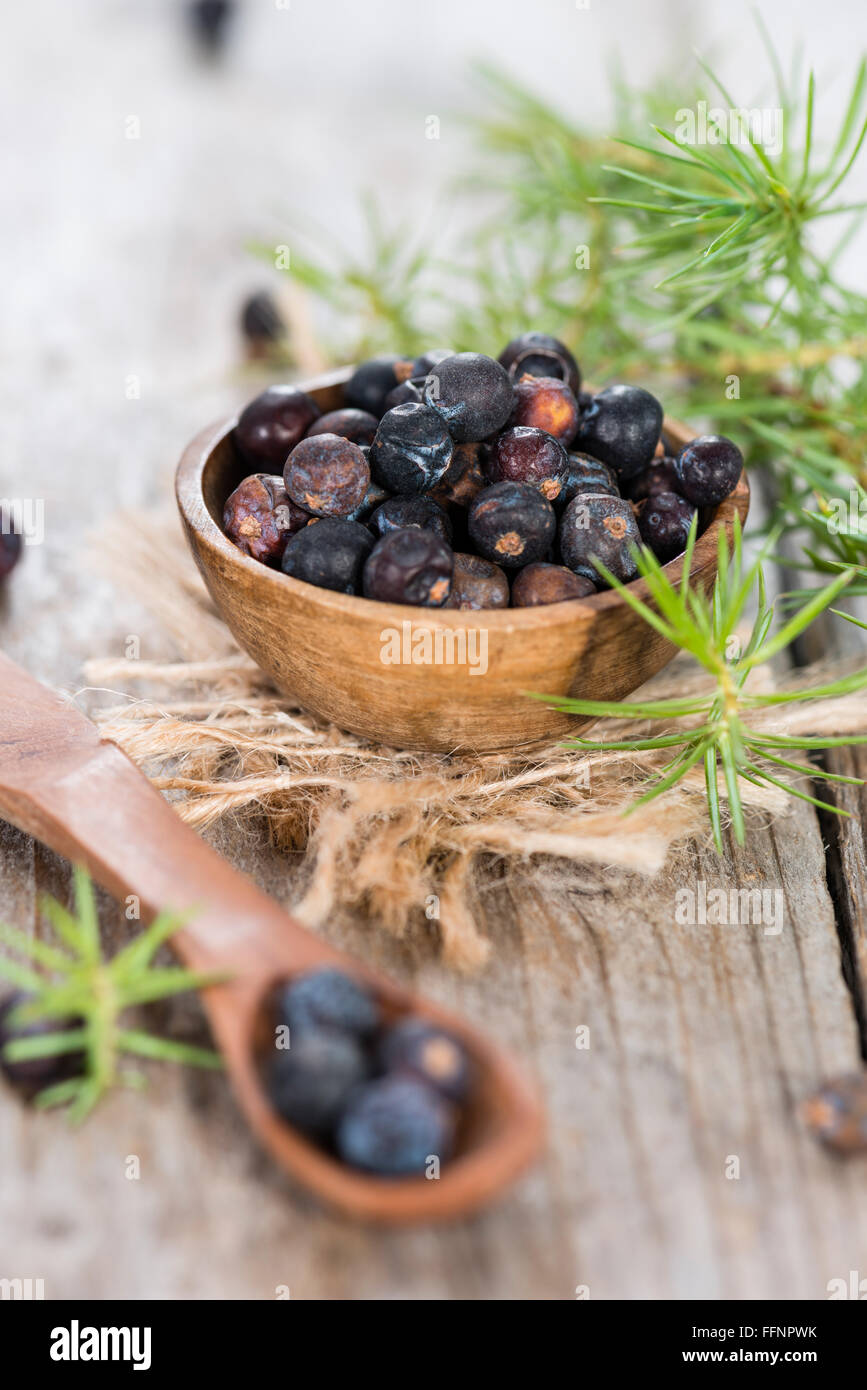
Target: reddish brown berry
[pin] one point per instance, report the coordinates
(525, 454)
(540, 583)
(478, 583)
(327, 475)
(837, 1113)
(546, 404)
(259, 517)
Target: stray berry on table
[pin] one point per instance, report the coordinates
(37, 1072)
(837, 1114)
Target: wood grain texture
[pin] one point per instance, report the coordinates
(702, 1039)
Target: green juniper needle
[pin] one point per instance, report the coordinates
(717, 734)
(72, 980)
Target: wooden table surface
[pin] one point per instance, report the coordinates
(677, 1166)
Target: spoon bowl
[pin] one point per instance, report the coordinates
(81, 795)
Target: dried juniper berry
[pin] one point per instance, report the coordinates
(10, 548)
(37, 1072)
(586, 474)
(370, 383)
(262, 323)
(403, 393)
(330, 554)
(272, 424)
(328, 998)
(357, 425)
(394, 1126)
(373, 498)
(837, 1113)
(658, 476)
(210, 21)
(621, 427)
(512, 524)
(463, 480)
(664, 521)
(409, 566)
(477, 583)
(416, 1047)
(327, 475)
(539, 584)
(708, 469)
(525, 454)
(259, 517)
(428, 360)
(311, 1081)
(399, 512)
(546, 403)
(472, 393)
(411, 450)
(601, 527)
(538, 354)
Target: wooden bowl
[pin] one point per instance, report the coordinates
(333, 653)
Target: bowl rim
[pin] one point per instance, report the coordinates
(189, 491)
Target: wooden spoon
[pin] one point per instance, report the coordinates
(65, 785)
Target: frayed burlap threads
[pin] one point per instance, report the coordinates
(397, 835)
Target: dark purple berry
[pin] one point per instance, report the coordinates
(399, 512)
(330, 554)
(658, 476)
(10, 547)
(412, 449)
(463, 480)
(416, 1047)
(477, 583)
(621, 428)
(664, 521)
(272, 424)
(538, 354)
(428, 360)
(596, 526)
(370, 383)
(311, 1081)
(327, 475)
(329, 998)
(586, 474)
(33, 1075)
(260, 516)
(512, 524)
(395, 1126)
(525, 454)
(403, 394)
(209, 20)
(708, 469)
(410, 566)
(262, 323)
(472, 393)
(541, 584)
(373, 498)
(547, 404)
(357, 425)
